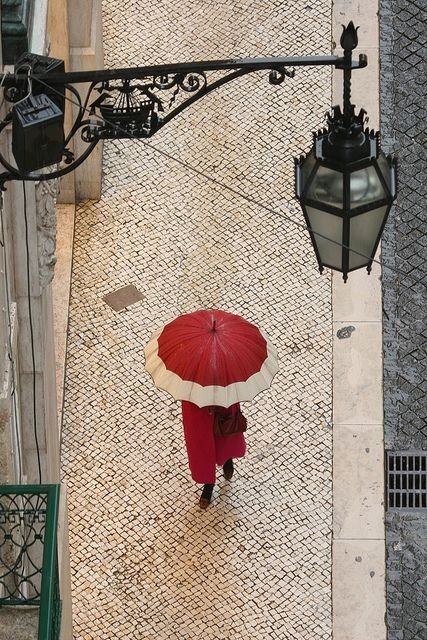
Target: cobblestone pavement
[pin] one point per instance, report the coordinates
(146, 562)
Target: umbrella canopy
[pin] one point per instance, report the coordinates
(211, 357)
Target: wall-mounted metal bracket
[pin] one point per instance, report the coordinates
(133, 102)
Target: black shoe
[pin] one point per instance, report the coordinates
(205, 498)
(228, 469)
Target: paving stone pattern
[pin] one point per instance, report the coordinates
(404, 100)
(146, 562)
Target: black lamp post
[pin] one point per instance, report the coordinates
(345, 184)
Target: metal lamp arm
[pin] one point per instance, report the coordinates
(137, 102)
(139, 73)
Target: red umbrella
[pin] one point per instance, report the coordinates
(211, 357)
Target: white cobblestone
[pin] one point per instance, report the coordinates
(147, 563)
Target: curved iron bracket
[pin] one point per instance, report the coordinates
(138, 108)
(138, 102)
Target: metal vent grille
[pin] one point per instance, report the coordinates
(406, 480)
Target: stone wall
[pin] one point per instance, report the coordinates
(404, 250)
(28, 421)
(21, 626)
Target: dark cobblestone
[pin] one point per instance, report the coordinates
(404, 248)
(403, 116)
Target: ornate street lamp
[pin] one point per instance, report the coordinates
(345, 184)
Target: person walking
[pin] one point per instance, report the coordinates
(206, 450)
(211, 360)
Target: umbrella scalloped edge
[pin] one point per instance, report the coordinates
(204, 396)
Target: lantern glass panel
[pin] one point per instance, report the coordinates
(307, 167)
(365, 187)
(364, 231)
(327, 187)
(330, 226)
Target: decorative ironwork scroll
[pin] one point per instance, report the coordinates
(139, 108)
(22, 529)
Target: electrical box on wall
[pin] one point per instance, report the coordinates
(43, 65)
(37, 133)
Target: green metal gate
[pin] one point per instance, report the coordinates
(28, 553)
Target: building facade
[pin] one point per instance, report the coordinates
(32, 329)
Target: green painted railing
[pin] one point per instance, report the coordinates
(15, 24)
(29, 553)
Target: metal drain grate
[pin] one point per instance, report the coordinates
(407, 480)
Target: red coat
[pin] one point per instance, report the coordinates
(204, 450)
